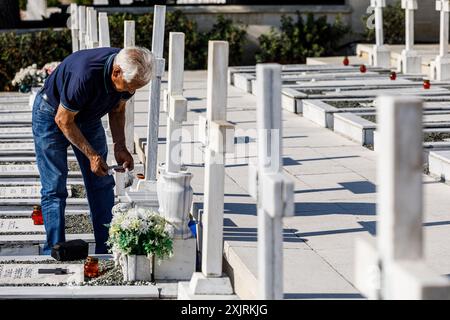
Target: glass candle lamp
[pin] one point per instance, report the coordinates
(37, 215)
(91, 267)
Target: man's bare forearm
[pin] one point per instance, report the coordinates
(117, 127)
(74, 135)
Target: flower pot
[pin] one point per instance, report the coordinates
(175, 200)
(136, 267)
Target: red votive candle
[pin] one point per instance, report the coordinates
(37, 215)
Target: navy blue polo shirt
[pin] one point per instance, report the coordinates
(82, 83)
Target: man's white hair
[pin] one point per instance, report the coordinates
(137, 64)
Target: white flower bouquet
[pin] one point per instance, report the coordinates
(31, 76)
(139, 232)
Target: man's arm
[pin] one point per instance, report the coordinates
(117, 127)
(65, 120)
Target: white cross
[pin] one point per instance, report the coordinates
(103, 30)
(177, 104)
(444, 7)
(129, 41)
(409, 6)
(268, 185)
(378, 5)
(82, 26)
(154, 94)
(220, 140)
(395, 268)
(74, 26)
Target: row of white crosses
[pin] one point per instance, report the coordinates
(394, 267)
(410, 62)
(440, 68)
(89, 30)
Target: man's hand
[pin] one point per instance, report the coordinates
(98, 166)
(123, 157)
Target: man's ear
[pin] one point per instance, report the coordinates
(116, 72)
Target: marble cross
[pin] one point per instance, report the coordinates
(103, 30)
(440, 68)
(93, 28)
(74, 26)
(82, 27)
(410, 62)
(394, 267)
(220, 140)
(268, 185)
(378, 5)
(380, 56)
(410, 6)
(151, 160)
(129, 41)
(444, 7)
(176, 103)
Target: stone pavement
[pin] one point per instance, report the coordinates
(334, 198)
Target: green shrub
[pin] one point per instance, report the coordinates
(393, 25)
(301, 39)
(21, 50)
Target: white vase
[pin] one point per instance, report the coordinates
(136, 267)
(175, 200)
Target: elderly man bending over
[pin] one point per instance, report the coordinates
(67, 111)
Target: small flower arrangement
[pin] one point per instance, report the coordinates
(31, 76)
(139, 232)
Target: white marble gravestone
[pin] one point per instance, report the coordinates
(154, 95)
(381, 56)
(211, 282)
(410, 62)
(174, 189)
(103, 30)
(14, 274)
(176, 103)
(268, 185)
(440, 68)
(74, 27)
(82, 27)
(129, 41)
(93, 28)
(395, 268)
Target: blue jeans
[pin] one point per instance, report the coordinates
(51, 156)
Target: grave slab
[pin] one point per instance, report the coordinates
(14, 274)
(19, 226)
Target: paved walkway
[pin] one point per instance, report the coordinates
(334, 194)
